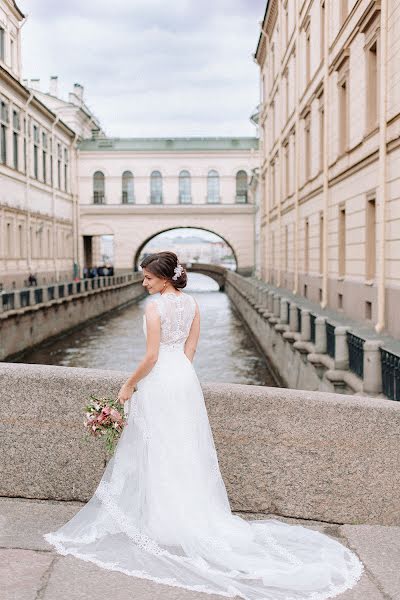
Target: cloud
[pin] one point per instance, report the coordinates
(150, 68)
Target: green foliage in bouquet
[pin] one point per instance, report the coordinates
(104, 418)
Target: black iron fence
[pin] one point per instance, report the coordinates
(330, 339)
(24, 298)
(390, 374)
(38, 294)
(355, 345)
(8, 300)
(312, 328)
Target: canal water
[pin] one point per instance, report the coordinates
(225, 352)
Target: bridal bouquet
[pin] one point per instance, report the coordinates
(103, 418)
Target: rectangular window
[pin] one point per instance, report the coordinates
(307, 146)
(286, 87)
(35, 151)
(306, 245)
(286, 248)
(59, 155)
(285, 24)
(21, 252)
(321, 132)
(12, 54)
(321, 241)
(3, 143)
(287, 170)
(343, 117)
(65, 170)
(342, 242)
(44, 157)
(322, 28)
(372, 86)
(4, 121)
(16, 133)
(370, 239)
(273, 183)
(15, 150)
(308, 54)
(2, 43)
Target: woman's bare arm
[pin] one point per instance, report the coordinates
(150, 358)
(193, 337)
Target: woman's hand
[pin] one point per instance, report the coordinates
(125, 392)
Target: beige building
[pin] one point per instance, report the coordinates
(136, 188)
(329, 180)
(38, 195)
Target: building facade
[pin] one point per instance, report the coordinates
(136, 188)
(329, 172)
(38, 195)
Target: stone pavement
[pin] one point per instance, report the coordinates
(31, 570)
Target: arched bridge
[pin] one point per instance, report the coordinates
(214, 271)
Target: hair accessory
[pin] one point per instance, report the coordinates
(178, 271)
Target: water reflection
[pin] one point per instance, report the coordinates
(116, 341)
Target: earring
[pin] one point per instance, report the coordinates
(165, 283)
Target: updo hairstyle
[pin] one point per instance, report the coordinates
(162, 264)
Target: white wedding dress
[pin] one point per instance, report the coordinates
(161, 511)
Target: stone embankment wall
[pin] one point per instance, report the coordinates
(41, 313)
(301, 454)
(308, 350)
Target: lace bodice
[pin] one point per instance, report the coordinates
(176, 315)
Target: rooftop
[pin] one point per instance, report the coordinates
(175, 144)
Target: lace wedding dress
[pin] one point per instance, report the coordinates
(161, 511)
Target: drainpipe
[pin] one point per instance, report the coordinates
(75, 195)
(53, 197)
(382, 169)
(324, 299)
(278, 282)
(264, 179)
(27, 183)
(297, 159)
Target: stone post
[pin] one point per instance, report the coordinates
(320, 335)
(341, 348)
(305, 325)
(293, 318)
(17, 300)
(271, 295)
(277, 305)
(284, 311)
(372, 383)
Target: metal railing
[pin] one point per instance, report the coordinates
(47, 293)
(330, 339)
(390, 374)
(355, 346)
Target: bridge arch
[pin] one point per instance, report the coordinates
(177, 227)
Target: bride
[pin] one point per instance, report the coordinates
(161, 510)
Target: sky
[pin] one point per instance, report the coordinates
(149, 67)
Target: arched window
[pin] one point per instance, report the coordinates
(185, 195)
(241, 186)
(127, 188)
(156, 187)
(213, 187)
(98, 188)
